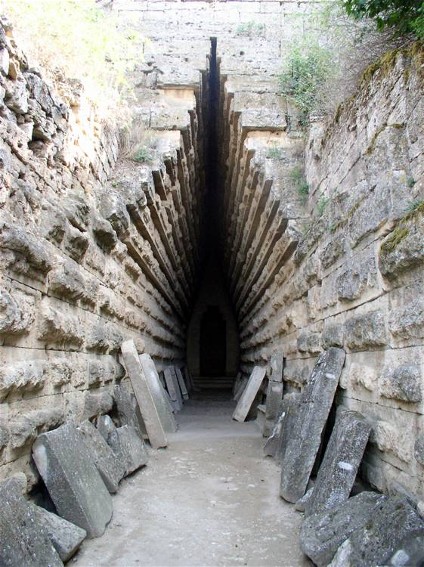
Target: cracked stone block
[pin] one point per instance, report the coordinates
(65, 536)
(162, 403)
(321, 534)
(249, 394)
(308, 424)
(392, 521)
(341, 461)
(402, 383)
(73, 482)
(110, 468)
(145, 397)
(23, 540)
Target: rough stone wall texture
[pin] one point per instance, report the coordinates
(95, 250)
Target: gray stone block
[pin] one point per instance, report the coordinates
(274, 394)
(126, 442)
(246, 400)
(410, 554)
(72, 479)
(181, 383)
(308, 424)
(391, 523)
(158, 392)
(277, 442)
(145, 397)
(110, 468)
(65, 536)
(23, 541)
(341, 461)
(173, 388)
(321, 534)
(240, 389)
(128, 409)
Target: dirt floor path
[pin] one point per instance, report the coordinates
(209, 499)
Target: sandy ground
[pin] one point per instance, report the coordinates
(209, 499)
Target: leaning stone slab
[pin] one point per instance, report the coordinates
(181, 383)
(309, 422)
(240, 388)
(274, 394)
(110, 468)
(173, 388)
(341, 461)
(72, 479)
(322, 534)
(162, 403)
(23, 542)
(65, 536)
(126, 443)
(277, 442)
(128, 409)
(246, 400)
(145, 397)
(391, 523)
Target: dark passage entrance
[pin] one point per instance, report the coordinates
(213, 342)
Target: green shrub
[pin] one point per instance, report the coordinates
(275, 152)
(306, 70)
(143, 154)
(251, 29)
(298, 179)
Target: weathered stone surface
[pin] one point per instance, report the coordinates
(321, 534)
(341, 461)
(65, 536)
(305, 434)
(419, 449)
(391, 522)
(274, 394)
(152, 377)
(72, 479)
(15, 317)
(402, 383)
(249, 393)
(144, 396)
(173, 388)
(181, 383)
(128, 409)
(277, 442)
(365, 331)
(410, 553)
(23, 540)
(126, 442)
(402, 249)
(110, 468)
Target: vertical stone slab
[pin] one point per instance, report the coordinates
(173, 388)
(249, 394)
(110, 468)
(181, 383)
(23, 541)
(145, 397)
(128, 409)
(391, 523)
(274, 393)
(72, 479)
(154, 383)
(277, 442)
(341, 461)
(311, 417)
(125, 441)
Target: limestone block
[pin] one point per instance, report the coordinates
(23, 541)
(155, 385)
(332, 335)
(310, 420)
(419, 449)
(391, 522)
(402, 383)
(16, 313)
(28, 375)
(111, 470)
(353, 281)
(4, 435)
(59, 327)
(365, 331)
(391, 438)
(248, 396)
(77, 210)
(341, 462)
(65, 536)
(309, 342)
(17, 96)
(68, 281)
(125, 441)
(96, 403)
(402, 249)
(25, 428)
(144, 395)
(173, 388)
(104, 338)
(321, 534)
(129, 410)
(104, 234)
(407, 322)
(72, 479)
(75, 243)
(29, 252)
(333, 251)
(274, 393)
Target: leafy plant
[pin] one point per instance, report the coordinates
(251, 29)
(322, 205)
(275, 152)
(143, 154)
(306, 70)
(414, 206)
(298, 179)
(403, 16)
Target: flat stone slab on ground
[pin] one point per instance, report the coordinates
(311, 416)
(341, 461)
(246, 400)
(321, 534)
(65, 536)
(23, 541)
(392, 522)
(162, 403)
(145, 397)
(110, 468)
(72, 479)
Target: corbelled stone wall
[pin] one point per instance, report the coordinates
(97, 247)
